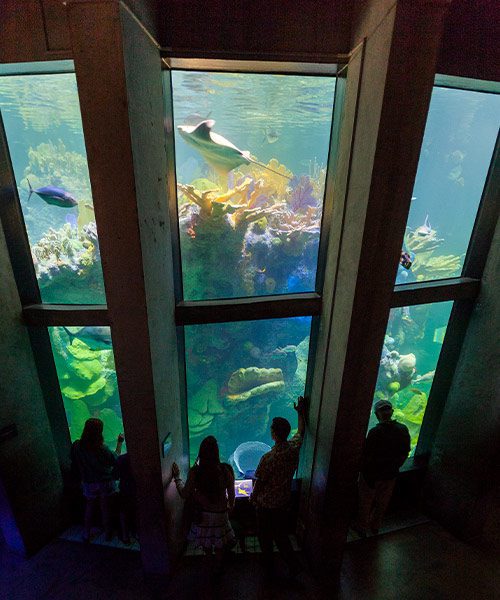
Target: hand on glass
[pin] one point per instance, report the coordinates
(175, 470)
(300, 405)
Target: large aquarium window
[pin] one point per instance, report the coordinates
(239, 376)
(41, 116)
(459, 140)
(412, 345)
(86, 370)
(251, 156)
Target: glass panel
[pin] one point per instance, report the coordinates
(251, 155)
(459, 139)
(412, 345)
(239, 376)
(41, 115)
(86, 369)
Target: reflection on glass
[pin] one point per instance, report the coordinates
(410, 354)
(239, 376)
(251, 154)
(41, 115)
(459, 139)
(86, 371)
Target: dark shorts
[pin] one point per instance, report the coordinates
(98, 489)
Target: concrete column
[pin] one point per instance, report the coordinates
(462, 489)
(388, 88)
(118, 71)
(30, 477)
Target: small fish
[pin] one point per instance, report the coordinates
(270, 135)
(54, 196)
(429, 376)
(425, 229)
(96, 338)
(439, 334)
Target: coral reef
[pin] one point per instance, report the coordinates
(67, 265)
(423, 242)
(268, 225)
(253, 381)
(88, 384)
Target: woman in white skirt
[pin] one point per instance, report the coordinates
(210, 487)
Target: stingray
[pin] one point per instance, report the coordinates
(218, 152)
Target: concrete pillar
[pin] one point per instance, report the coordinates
(118, 70)
(30, 476)
(387, 92)
(462, 488)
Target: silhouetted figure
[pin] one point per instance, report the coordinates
(386, 448)
(96, 463)
(126, 497)
(272, 490)
(210, 487)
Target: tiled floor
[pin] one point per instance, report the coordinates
(419, 563)
(75, 534)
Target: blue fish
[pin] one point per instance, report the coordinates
(96, 338)
(54, 195)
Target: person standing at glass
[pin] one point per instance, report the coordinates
(96, 464)
(210, 489)
(386, 448)
(272, 490)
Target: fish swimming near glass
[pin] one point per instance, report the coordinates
(218, 152)
(96, 338)
(54, 195)
(271, 135)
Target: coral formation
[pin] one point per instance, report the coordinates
(268, 225)
(88, 384)
(67, 265)
(423, 243)
(253, 381)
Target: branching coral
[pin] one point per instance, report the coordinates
(425, 264)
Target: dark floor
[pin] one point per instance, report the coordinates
(421, 562)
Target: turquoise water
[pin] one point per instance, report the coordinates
(41, 115)
(241, 375)
(267, 223)
(459, 140)
(249, 230)
(86, 371)
(412, 345)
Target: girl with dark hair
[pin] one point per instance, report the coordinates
(96, 462)
(210, 486)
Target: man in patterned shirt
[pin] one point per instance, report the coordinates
(272, 490)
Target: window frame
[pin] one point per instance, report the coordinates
(462, 290)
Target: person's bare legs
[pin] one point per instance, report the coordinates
(106, 516)
(89, 512)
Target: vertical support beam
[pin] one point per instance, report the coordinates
(18, 246)
(396, 81)
(31, 484)
(118, 71)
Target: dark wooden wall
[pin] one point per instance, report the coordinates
(314, 30)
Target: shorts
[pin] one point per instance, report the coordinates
(99, 489)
